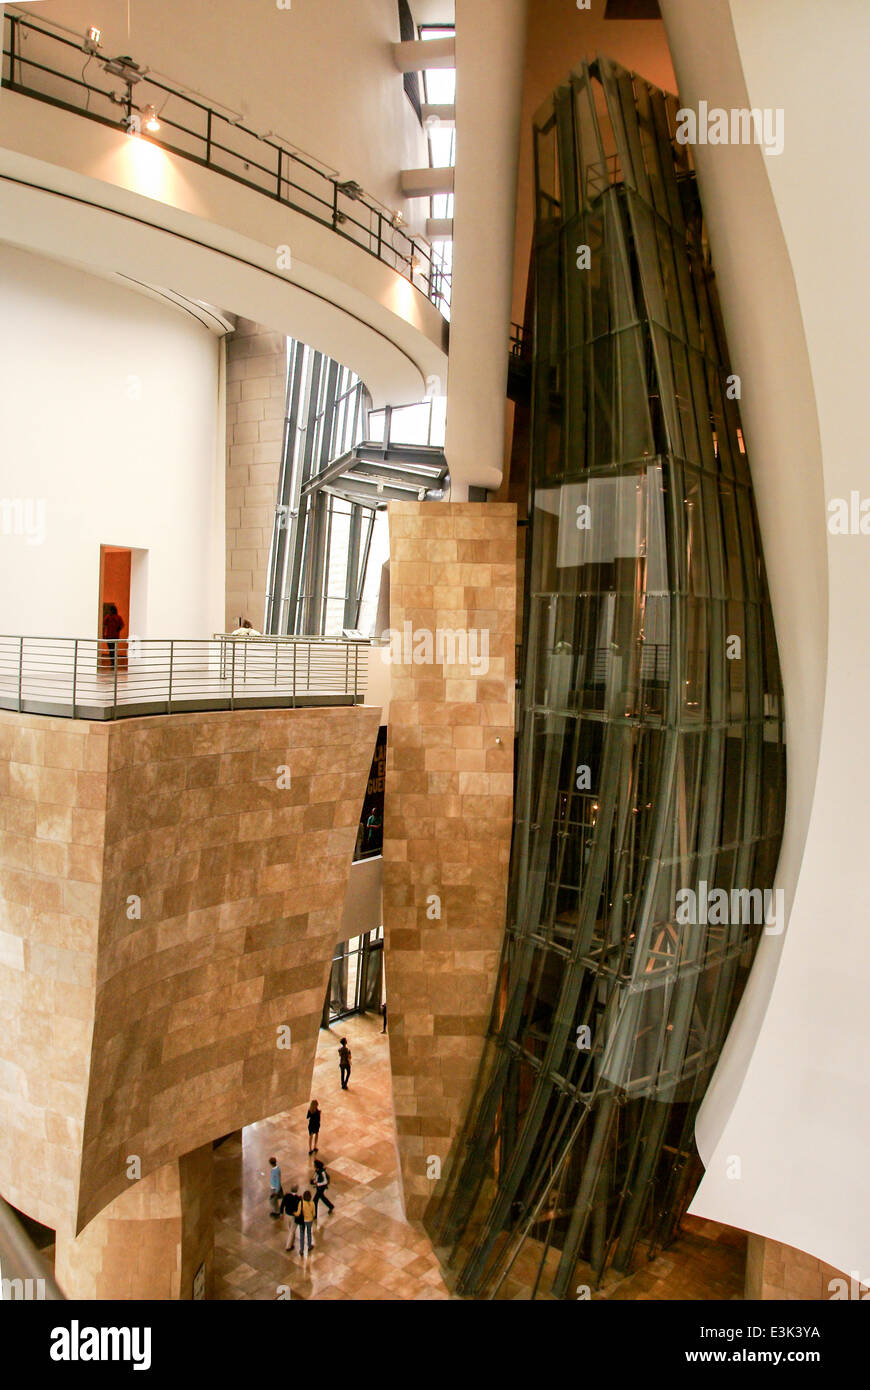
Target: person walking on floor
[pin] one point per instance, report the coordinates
(290, 1204)
(321, 1183)
(308, 1214)
(344, 1056)
(314, 1117)
(276, 1191)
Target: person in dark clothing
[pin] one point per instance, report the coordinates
(321, 1183)
(314, 1117)
(384, 1012)
(291, 1203)
(113, 626)
(344, 1056)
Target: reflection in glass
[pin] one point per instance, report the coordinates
(651, 757)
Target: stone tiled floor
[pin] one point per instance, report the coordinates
(365, 1250)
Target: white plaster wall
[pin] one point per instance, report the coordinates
(791, 1099)
(110, 416)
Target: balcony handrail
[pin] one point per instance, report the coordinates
(116, 678)
(333, 199)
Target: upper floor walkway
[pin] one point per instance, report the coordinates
(86, 678)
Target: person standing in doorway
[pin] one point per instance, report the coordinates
(113, 626)
(314, 1117)
(290, 1206)
(308, 1214)
(276, 1191)
(321, 1183)
(344, 1056)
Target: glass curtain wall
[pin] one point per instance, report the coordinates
(322, 578)
(439, 89)
(651, 767)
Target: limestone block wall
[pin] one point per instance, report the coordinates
(149, 1242)
(53, 780)
(776, 1271)
(144, 976)
(448, 814)
(256, 390)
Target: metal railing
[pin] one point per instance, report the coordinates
(48, 67)
(88, 678)
(23, 1275)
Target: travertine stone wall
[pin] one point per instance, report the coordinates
(149, 1242)
(775, 1271)
(53, 780)
(256, 391)
(448, 816)
(165, 905)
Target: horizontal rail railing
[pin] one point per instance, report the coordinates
(220, 142)
(91, 678)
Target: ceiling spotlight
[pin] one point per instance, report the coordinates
(397, 219)
(93, 39)
(150, 120)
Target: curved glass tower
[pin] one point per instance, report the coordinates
(651, 773)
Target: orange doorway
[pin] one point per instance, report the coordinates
(114, 611)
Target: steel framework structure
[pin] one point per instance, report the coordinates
(651, 755)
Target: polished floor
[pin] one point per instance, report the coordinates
(365, 1250)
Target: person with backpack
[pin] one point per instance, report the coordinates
(313, 1117)
(344, 1056)
(276, 1191)
(321, 1183)
(308, 1212)
(290, 1205)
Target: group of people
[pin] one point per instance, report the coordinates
(301, 1211)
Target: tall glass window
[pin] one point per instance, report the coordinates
(651, 768)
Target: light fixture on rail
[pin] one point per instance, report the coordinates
(398, 219)
(93, 40)
(125, 68)
(150, 120)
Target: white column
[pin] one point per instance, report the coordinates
(490, 49)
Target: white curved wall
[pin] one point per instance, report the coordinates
(791, 1098)
(112, 419)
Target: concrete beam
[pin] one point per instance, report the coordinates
(439, 228)
(439, 115)
(418, 54)
(426, 183)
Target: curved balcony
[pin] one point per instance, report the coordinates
(88, 678)
(49, 68)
